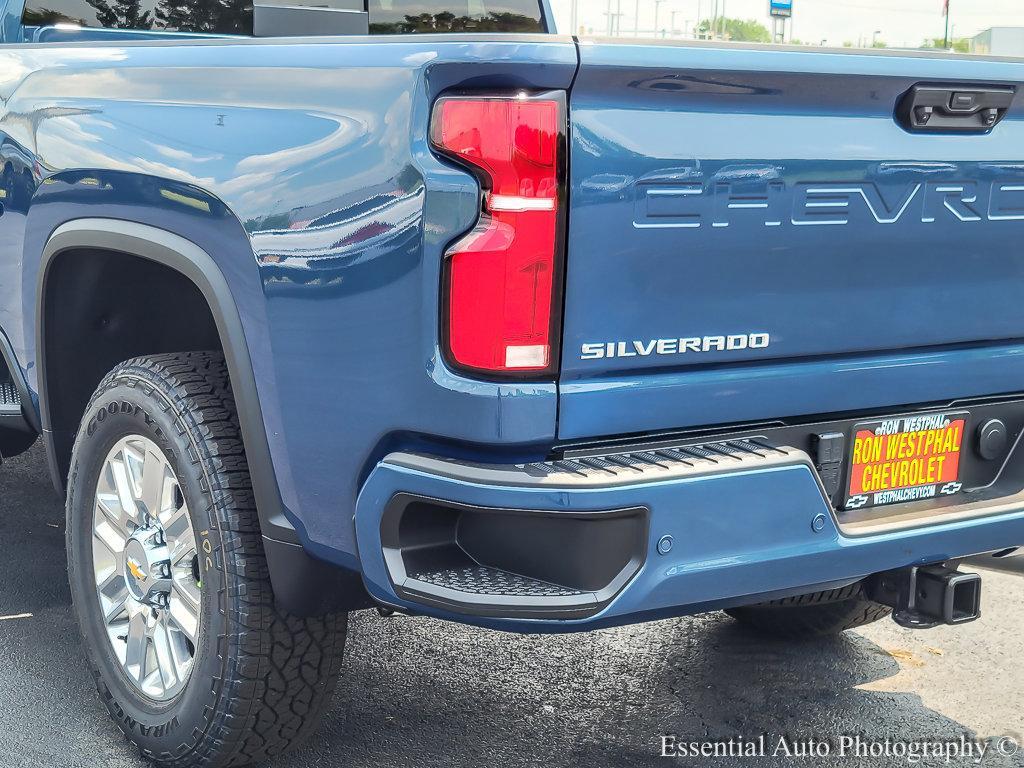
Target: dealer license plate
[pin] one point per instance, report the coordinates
(908, 458)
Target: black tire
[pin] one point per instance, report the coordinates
(813, 615)
(261, 678)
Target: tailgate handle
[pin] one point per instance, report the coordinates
(962, 108)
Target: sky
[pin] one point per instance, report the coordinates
(903, 23)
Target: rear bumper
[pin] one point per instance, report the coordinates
(583, 544)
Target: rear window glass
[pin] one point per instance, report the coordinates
(235, 16)
(388, 17)
(231, 17)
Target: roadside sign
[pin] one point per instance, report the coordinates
(783, 8)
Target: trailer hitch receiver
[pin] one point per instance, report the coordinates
(925, 597)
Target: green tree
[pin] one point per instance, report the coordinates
(122, 14)
(45, 17)
(960, 45)
(739, 30)
(220, 16)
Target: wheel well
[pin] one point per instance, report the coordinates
(100, 308)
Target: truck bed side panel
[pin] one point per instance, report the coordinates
(319, 152)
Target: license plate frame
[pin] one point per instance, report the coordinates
(894, 461)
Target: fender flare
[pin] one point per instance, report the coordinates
(187, 258)
(303, 584)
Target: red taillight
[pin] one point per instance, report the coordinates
(501, 279)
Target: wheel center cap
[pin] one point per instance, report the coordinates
(146, 567)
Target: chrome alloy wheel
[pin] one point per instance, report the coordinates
(146, 568)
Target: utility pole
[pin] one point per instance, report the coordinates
(636, 19)
(723, 20)
(657, 8)
(945, 42)
(672, 30)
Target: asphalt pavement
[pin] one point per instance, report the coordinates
(420, 692)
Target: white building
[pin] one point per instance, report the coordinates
(999, 41)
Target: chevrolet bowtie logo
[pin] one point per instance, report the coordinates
(136, 570)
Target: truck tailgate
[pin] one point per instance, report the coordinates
(753, 236)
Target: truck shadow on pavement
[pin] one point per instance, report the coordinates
(419, 692)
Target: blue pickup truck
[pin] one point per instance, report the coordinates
(458, 317)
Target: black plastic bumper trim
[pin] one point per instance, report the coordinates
(510, 563)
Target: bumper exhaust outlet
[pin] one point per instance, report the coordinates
(926, 597)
